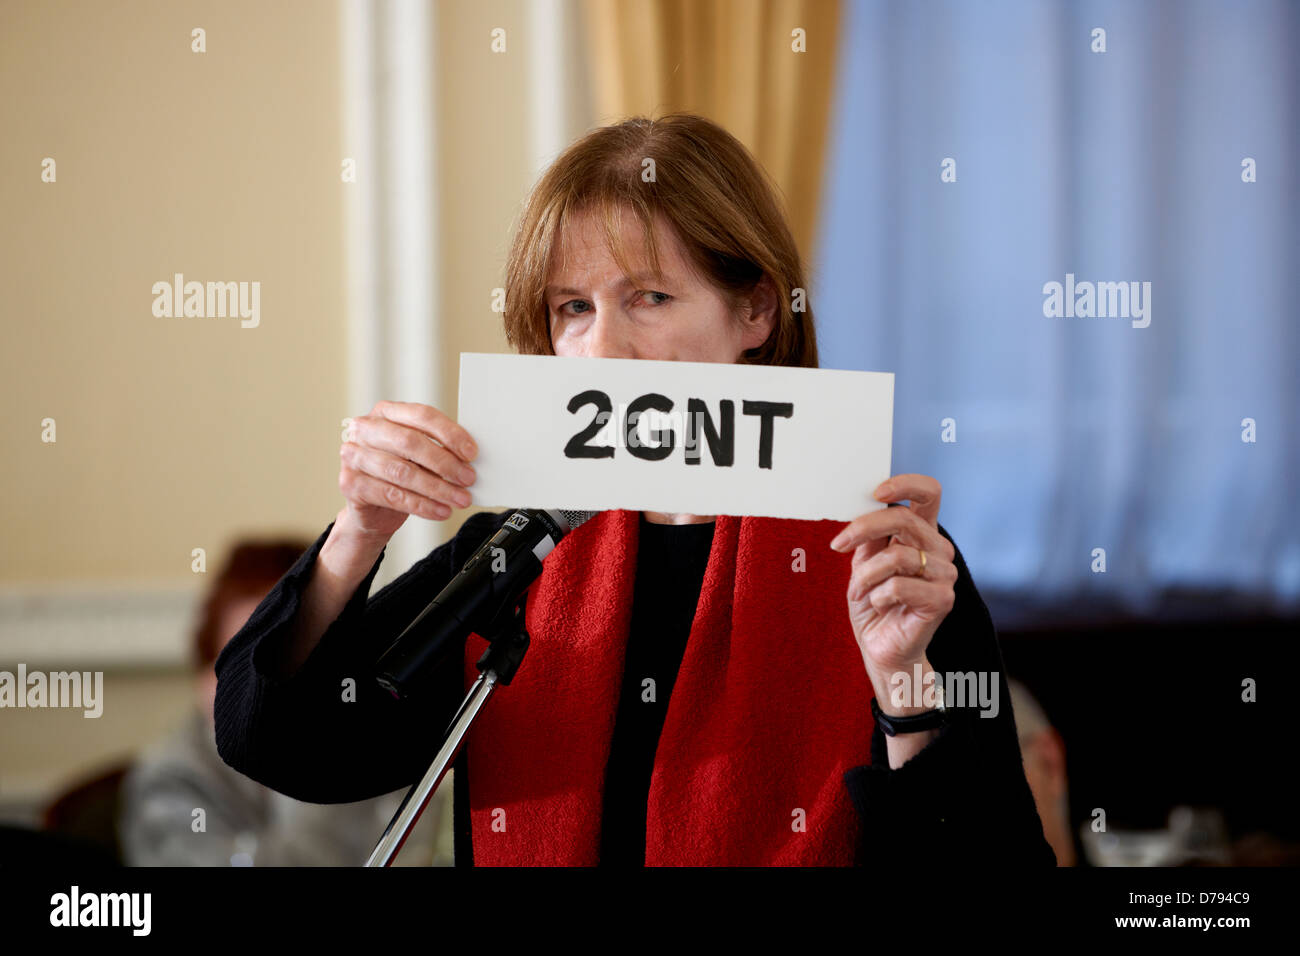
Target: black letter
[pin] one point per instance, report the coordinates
(577, 446)
(723, 449)
(767, 410)
(659, 403)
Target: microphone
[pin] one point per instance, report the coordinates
(490, 582)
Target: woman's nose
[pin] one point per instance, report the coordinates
(607, 337)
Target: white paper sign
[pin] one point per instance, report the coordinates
(704, 438)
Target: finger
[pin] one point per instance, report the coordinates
(868, 550)
(928, 600)
(364, 489)
(901, 522)
(407, 443)
(898, 559)
(923, 491)
(433, 423)
(403, 474)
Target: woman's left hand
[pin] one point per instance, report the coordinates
(896, 603)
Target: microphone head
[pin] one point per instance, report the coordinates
(571, 519)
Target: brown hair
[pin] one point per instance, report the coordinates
(251, 570)
(715, 195)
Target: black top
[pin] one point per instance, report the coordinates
(670, 572)
(964, 796)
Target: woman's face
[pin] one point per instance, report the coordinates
(597, 312)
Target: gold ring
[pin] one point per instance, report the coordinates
(921, 573)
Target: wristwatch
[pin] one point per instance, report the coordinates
(892, 726)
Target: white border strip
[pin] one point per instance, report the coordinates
(394, 347)
(360, 233)
(98, 626)
(550, 49)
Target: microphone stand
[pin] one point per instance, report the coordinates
(508, 642)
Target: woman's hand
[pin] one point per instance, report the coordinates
(403, 459)
(895, 606)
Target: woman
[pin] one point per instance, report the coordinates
(656, 240)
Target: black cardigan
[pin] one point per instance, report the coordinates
(964, 796)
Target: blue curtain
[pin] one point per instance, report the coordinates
(1078, 433)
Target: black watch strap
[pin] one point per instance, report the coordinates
(892, 726)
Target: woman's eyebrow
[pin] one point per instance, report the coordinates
(622, 283)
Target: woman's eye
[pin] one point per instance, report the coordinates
(565, 309)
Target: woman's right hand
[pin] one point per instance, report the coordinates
(403, 459)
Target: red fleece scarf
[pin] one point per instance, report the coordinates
(770, 707)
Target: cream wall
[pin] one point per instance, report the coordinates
(486, 104)
(223, 165)
(179, 433)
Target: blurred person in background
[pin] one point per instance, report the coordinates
(243, 822)
(1043, 750)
